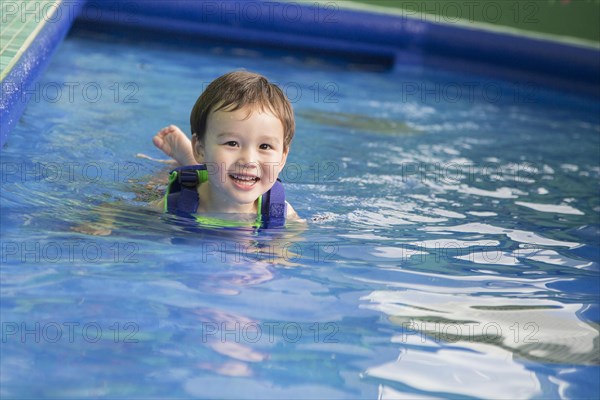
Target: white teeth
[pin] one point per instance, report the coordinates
(244, 178)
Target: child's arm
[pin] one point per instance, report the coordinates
(158, 205)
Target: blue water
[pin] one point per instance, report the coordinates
(452, 247)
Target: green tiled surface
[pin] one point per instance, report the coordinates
(573, 22)
(576, 19)
(20, 21)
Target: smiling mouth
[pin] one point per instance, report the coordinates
(244, 180)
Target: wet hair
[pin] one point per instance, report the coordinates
(239, 89)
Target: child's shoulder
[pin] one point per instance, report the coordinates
(291, 213)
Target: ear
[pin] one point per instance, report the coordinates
(198, 149)
(284, 158)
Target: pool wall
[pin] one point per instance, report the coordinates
(321, 28)
(35, 55)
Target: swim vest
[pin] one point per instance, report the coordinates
(182, 198)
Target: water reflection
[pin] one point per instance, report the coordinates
(472, 340)
(477, 370)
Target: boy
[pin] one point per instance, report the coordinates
(242, 126)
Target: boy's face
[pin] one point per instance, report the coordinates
(243, 150)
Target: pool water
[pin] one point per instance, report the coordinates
(452, 247)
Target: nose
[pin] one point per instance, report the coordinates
(247, 156)
(248, 160)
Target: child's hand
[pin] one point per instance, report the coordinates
(174, 143)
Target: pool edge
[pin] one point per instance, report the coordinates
(18, 80)
(373, 34)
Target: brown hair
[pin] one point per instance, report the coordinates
(239, 89)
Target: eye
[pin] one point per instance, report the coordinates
(265, 146)
(231, 143)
